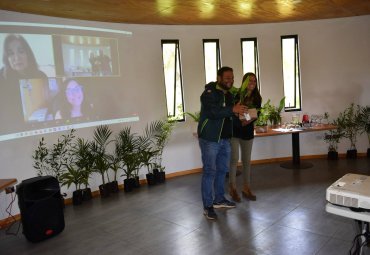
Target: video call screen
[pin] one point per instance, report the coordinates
(54, 82)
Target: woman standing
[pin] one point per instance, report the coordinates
(243, 134)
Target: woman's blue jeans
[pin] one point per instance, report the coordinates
(216, 161)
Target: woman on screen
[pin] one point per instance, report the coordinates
(19, 60)
(72, 102)
(19, 65)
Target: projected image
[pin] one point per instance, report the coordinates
(51, 82)
(26, 56)
(73, 102)
(38, 97)
(88, 56)
(55, 99)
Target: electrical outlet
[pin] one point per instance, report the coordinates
(9, 190)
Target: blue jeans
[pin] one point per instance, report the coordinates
(216, 161)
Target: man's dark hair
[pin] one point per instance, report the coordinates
(223, 69)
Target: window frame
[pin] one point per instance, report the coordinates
(256, 58)
(181, 116)
(297, 75)
(218, 55)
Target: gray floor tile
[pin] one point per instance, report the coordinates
(288, 218)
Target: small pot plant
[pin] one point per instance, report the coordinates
(263, 117)
(364, 122)
(348, 121)
(332, 138)
(274, 113)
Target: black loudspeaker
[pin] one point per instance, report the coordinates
(41, 207)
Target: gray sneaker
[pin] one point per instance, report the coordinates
(209, 212)
(224, 204)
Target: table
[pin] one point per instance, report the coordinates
(296, 160)
(361, 218)
(6, 183)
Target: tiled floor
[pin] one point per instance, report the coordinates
(288, 218)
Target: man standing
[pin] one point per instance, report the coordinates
(214, 132)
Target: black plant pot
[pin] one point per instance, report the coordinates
(113, 187)
(332, 155)
(351, 154)
(160, 177)
(86, 194)
(137, 182)
(150, 179)
(104, 190)
(77, 197)
(368, 152)
(128, 185)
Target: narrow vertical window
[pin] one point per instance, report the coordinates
(212, 58)
(250, 58)
(173, 79)
(291, 72)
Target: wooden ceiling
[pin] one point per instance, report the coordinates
(191, 12)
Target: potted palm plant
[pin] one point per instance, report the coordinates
(332, 138)
(84, 161)
(148, 151)
(364, 122)
(128, 151)
(115, 166)
(348, 121)
(73, 176)
(161, 132)
(101, 159)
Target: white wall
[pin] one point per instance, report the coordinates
(335, 64)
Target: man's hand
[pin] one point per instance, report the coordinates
(240, 109)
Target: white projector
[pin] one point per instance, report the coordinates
(352, 190)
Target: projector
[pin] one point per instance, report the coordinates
(352, 190)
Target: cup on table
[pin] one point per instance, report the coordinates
(305, 118)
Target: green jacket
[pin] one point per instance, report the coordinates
(213, 112)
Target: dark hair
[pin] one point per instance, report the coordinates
(32, 64)
(224, 69)
(255, 97)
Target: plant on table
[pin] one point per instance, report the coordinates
(274, 112)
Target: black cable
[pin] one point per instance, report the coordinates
(355, 252)
(9, 211)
